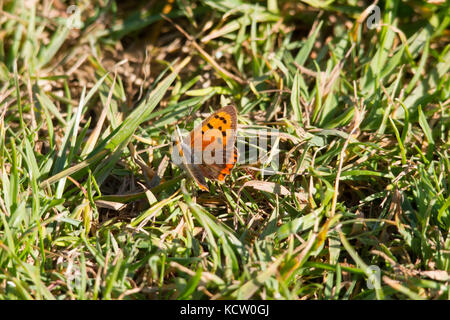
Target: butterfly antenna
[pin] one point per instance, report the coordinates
(179, 136)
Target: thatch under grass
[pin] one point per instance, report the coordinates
(88, 105)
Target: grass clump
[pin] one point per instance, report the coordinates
(92, 207)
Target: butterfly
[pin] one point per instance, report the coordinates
(209, 150)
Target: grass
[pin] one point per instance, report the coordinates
(92, 207)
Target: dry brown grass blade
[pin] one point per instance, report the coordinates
(205, 55)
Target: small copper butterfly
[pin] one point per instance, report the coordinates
(209, 150)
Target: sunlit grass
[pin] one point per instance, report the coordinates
(92, 207)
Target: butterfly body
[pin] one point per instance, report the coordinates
(209, 151)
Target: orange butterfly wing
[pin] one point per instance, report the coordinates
(217, 132)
